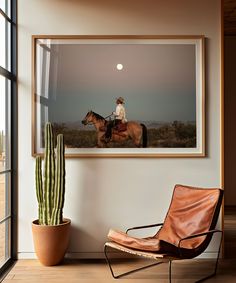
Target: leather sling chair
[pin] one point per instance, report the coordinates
(186, 232)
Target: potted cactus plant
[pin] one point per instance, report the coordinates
(51, 230)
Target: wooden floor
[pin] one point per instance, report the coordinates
(96, 271)
(88, 271)
(230, 232)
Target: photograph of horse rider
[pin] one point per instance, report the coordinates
(120, 117)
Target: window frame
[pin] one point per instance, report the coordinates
(12, 170)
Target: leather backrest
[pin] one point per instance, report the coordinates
(192, 211)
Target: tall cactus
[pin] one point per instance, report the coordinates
(50, 194)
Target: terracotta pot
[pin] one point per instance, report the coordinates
(51, 242)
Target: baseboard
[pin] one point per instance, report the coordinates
(100, 255)
(78, 255)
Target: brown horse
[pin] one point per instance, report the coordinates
(135, 131)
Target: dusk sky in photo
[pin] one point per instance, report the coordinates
(158, 81)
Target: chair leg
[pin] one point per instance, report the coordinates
(170, 262)
(216, 264)
(129, 272)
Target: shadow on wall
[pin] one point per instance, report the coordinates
(81, 239)
(88, 231)
(115, 14)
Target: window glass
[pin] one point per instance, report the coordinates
(4, 241)
(5, 43)
(2, 41)
(5, 136)
(5, 5)
(4, 195)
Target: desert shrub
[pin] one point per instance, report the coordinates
(173, 135)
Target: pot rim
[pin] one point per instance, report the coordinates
(66, 221)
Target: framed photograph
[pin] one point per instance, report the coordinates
(120, 96)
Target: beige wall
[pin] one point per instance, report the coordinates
(230, 120)
(103, 193)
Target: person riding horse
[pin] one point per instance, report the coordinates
(134, 131)
(120, 117)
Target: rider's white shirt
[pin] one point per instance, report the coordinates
(120, 113)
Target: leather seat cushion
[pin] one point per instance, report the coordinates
(145, 244)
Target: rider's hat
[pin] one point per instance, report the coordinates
(120, 99)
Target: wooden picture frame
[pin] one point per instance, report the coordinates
(161, 78)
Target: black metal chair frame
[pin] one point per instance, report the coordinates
(180, 257)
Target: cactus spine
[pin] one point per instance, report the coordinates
(51, 192)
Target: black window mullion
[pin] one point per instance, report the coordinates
(6, 171)
(6, 16)
(5, 218)
(14, 38)
(5, 73)
(14, 130)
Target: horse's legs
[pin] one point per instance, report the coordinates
(136, 137)
(137, 142)
(100, 141)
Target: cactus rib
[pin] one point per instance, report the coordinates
(59, 183)
(39, 187)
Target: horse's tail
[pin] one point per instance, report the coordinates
(144, 128)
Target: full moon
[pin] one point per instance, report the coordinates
(119, 67)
